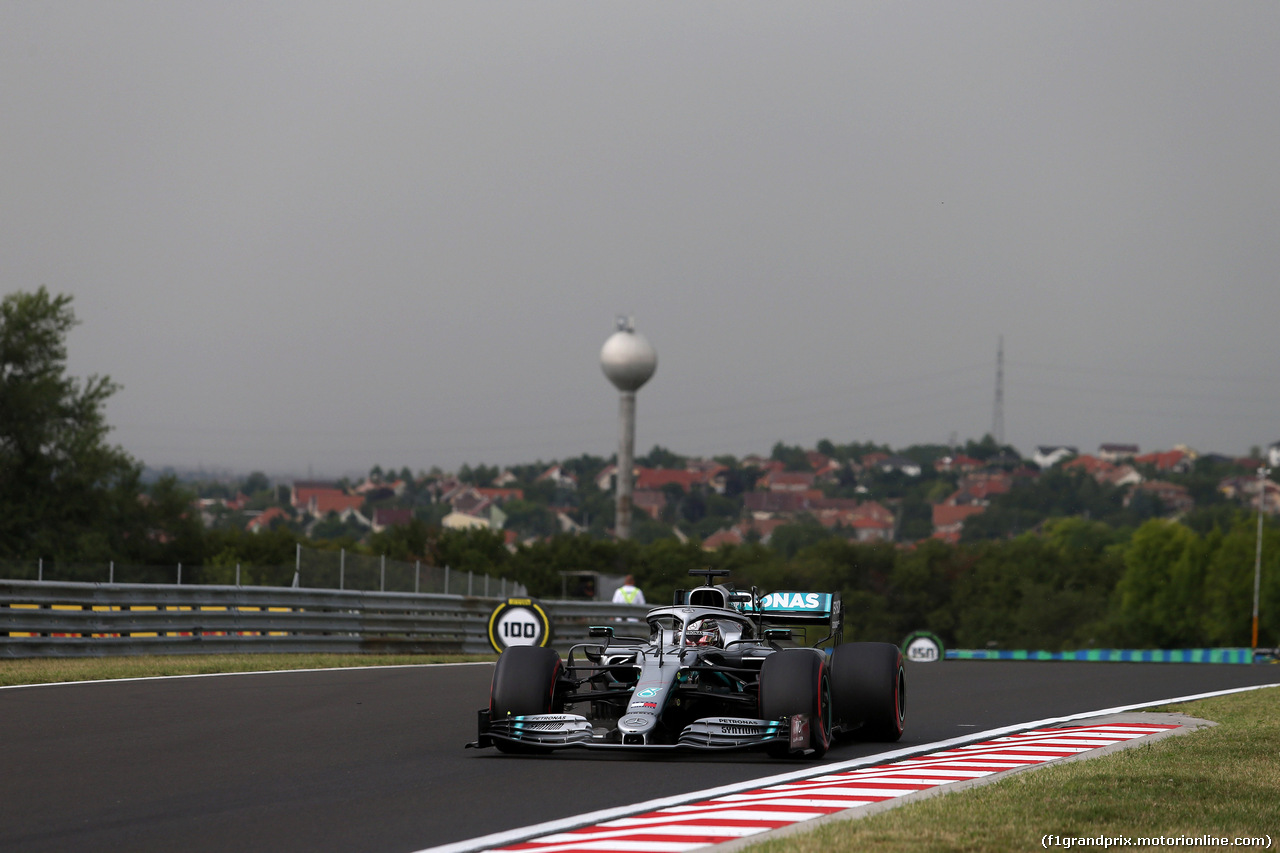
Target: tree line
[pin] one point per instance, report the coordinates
(1092, 575)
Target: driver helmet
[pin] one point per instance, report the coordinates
(704, 632)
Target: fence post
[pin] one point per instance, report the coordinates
(179, 574)
(111, 573)
(237, 574)
(504, 588)
(297, 567)
(470, 578)
(486, 586)
(40, 571)
(446, 578)
(342, 569)
(382, 583)
(417, 575)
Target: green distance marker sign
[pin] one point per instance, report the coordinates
(518, 622)
(922, 647)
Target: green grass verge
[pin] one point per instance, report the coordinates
(54, 670)
(1222, 781)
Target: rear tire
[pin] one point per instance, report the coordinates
(796, 681)
(524, 682)
(869, 685)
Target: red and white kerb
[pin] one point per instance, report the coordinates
(700, 824)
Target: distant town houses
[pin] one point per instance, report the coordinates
(960, 464)
(1175, 499)
(859, 499)
(1245, 490)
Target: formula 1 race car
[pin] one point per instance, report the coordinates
(711, 675)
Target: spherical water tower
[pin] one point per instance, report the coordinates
(628, 361)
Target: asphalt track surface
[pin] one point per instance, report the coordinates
(373, 760)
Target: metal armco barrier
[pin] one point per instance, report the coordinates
(45, 619)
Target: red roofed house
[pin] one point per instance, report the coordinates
(720, 538)
(384, 518)
(1120, 476)
(649, 501)
(476, 501)
(875, 511)
(263, 522)
(777, 503)
(1168, 460)
(320, 499)
(959, 462)
(869, 529)
(787, 481)
(1175, 499)
(656, 478)
(948, 520)
(562, 478)
(1090, 465)
(978, 488)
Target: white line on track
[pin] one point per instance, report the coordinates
(138, 678)
(514, 836)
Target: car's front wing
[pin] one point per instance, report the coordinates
(563, 731)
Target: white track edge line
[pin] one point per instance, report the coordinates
(513, 836)
(137, 678)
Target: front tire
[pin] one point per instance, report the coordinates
(796, 681)
(524, 682)
(869, 686)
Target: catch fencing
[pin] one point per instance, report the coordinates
(311, 569)
(73, 619)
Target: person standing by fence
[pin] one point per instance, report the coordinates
(628, 593)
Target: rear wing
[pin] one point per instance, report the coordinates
(800, 609)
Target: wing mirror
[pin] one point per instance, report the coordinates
(607, 631)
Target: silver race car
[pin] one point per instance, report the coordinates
(712, 674)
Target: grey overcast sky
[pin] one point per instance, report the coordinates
(320, 236)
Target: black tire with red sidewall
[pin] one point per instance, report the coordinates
(796, 681)
(869, 688)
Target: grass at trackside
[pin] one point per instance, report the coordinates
(1221, 781)
(54, 670)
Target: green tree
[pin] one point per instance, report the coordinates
(1228, 586)
(402, 541)
(256, 482)
(793, 457)
(1160, 597)
(65, 492)
(789, 539)
(661, 457)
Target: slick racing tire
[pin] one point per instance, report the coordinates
(796, 681)
(869, 686)
(524, 682)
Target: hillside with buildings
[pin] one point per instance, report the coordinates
(862, 493)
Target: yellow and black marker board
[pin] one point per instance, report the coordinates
(519, 622)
